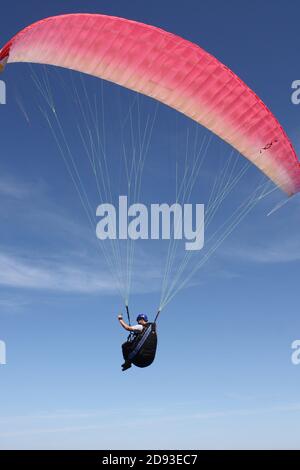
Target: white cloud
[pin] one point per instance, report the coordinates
(53, 275)
(84, 275)
(12, 303)
(271, 251)
(16, 426)
(10, 187)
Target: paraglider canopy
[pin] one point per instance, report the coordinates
(170, 69)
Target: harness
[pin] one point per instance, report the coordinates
(144, 336)
(140, 346)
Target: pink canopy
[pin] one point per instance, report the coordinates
(171, 70)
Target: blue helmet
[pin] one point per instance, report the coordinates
(141, 316)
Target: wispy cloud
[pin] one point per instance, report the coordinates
(283, 251)
(122, 420)
(84, 275)
(13, 188)
(275, 250)
(53, 275)
(13, 303)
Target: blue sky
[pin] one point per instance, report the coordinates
(223, 376)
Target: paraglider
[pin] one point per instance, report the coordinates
(141, 344)
(177, 73)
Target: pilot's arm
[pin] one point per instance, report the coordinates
(124, 324)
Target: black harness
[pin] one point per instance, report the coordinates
(140, 348)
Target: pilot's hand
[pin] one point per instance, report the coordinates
(120, 317)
